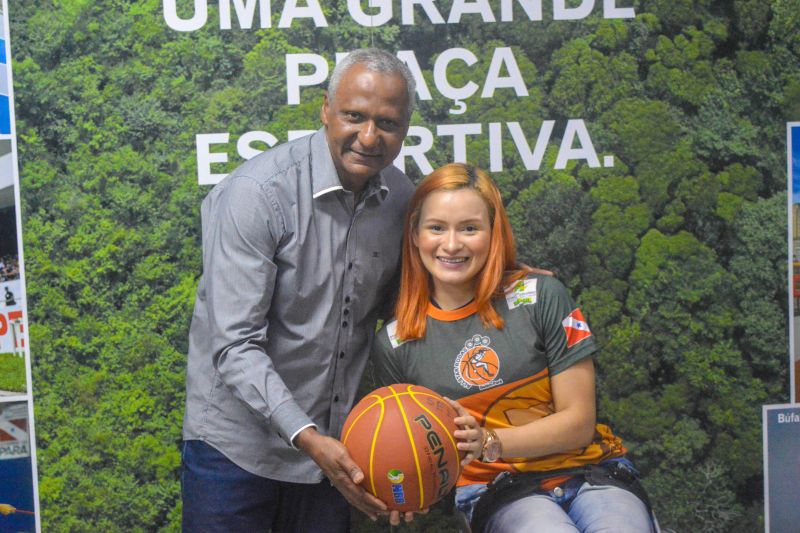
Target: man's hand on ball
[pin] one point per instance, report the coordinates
(408, 516)
(340, 469)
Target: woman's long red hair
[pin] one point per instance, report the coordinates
(501, 267)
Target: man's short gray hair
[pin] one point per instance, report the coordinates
(375, 60)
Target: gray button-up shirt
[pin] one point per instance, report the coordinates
(293, 274)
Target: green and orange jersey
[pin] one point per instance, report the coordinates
(501, 376)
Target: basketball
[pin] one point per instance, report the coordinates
(401, 436)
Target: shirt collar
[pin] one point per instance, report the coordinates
(324, 177)
(451, 316)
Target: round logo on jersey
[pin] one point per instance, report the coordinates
(477, 365)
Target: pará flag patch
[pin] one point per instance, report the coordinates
(576, 328)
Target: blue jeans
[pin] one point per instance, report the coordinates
(575, 506)
(219, 496)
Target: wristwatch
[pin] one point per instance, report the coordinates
(492, 447)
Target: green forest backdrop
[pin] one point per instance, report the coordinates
(677, 253)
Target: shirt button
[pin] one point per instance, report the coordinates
(347, 299)
(558, 492)
(346, 312)
(344, 324)
(341, 355)
(349, 266)
(336, 398)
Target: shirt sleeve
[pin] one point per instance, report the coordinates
(386, 361)
(242, 229)
(564, 331)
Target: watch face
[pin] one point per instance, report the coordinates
(491, 449)
(492, 452)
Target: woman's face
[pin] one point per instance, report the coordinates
(453, 236)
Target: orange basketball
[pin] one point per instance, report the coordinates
(402, 438)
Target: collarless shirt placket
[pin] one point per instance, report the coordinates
(348, 299)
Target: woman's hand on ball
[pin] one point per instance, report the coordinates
(470, 436)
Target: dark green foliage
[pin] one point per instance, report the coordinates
(676, 253)
(547, 235)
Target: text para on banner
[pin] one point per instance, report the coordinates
(192, 15)
(576, 145)
(14, 441)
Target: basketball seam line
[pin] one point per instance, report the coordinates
(395, 395)
(449, 435)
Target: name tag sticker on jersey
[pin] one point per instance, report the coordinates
(522, 293)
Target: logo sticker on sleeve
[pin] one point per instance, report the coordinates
(477, 364)
(576, 328)
(522, 292)
(391, 330)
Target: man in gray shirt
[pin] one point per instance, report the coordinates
(300, 244)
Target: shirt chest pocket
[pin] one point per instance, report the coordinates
(377, 252)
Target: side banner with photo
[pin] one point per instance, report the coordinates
(17, 487)
(781, 425)
(793, 172)
(18, 483)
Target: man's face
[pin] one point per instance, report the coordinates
(366, 123)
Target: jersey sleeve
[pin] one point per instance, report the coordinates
(387, 361)
(564, 331)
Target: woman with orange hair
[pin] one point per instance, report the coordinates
(510, 345)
